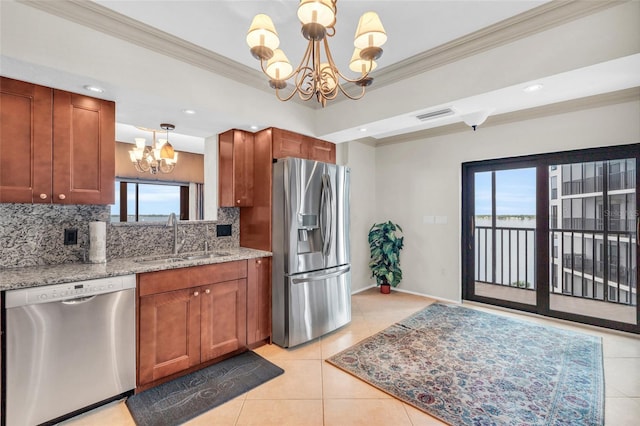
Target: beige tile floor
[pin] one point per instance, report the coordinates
(312, 392)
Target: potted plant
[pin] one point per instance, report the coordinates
(385, 248)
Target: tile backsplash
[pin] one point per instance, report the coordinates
(33, 234)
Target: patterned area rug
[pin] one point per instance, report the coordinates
(184, 398)
(467, 367)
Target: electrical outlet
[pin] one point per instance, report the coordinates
(223, 230)
(70, 236)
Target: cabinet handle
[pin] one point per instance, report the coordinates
(43, 196)
(207, 291)
(259, 262)
(196, 293)
(62, 196)
(237, 201)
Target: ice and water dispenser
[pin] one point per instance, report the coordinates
(309, 237)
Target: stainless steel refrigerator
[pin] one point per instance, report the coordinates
(311, 286)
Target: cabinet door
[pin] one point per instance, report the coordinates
(83, 149)
(169, 334)
(289, 144)
(320, 150)
(224, 318)
(235, 169)
(25, 142)
(258, 300)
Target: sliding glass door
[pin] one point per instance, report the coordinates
(555, 234)
(593, 267)
(504, 234)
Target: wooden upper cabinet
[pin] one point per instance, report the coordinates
(290, 144)
(235, 168)
(25, 142)
(55, 146)
(83, 149)
(320, 150)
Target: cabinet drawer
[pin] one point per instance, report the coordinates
(181, 278)
(162, 281)
(218, 272)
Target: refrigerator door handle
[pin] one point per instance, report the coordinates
(321, 277)
(326, 203)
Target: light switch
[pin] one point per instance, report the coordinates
(429, 220)
(441, 220)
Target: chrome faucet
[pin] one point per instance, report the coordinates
(172, 221)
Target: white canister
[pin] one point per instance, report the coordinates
(97, 242)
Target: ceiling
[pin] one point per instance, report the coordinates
(216, 30)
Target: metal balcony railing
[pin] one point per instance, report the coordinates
(506, 256)
(584, 269)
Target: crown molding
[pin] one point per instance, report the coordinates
(595, 101)
(105, 20)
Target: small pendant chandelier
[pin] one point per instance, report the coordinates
(159, 157)
(317, 73)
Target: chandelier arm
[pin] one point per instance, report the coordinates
(352, 97)
(337, 71)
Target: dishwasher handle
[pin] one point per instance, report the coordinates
(78, 300)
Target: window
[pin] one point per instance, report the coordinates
(149, 202)
(554, 187)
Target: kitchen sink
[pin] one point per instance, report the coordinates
(180, 258)
(158, 260)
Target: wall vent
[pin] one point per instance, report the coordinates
(435, 114)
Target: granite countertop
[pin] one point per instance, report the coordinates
(35, 276)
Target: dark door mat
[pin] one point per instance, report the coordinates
(186, 397)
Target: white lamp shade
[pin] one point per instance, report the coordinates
(359, 65)
(278, 67)
(370, 31)
(140, 142)
(322, 12)
(262, 32)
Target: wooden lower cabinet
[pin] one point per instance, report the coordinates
(258, 301)
(169, 339)
(223, 319)
(189, 316)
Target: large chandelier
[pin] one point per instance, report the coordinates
(159, 157)
(317, 73)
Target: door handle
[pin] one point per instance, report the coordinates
(326, 207)
(473, 231)
(321, 277)
(78, 300)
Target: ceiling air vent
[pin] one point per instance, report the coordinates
(435, 114)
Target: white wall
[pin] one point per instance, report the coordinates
(420, 178)
(361, 159)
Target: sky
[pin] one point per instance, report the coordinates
(154, 199)
(515, 192)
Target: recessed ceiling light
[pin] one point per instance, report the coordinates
(533, 88)
(253, 127)
(189, 111)
(363, 129)
(95, 89)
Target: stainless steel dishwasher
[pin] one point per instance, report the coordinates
(69, 347)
